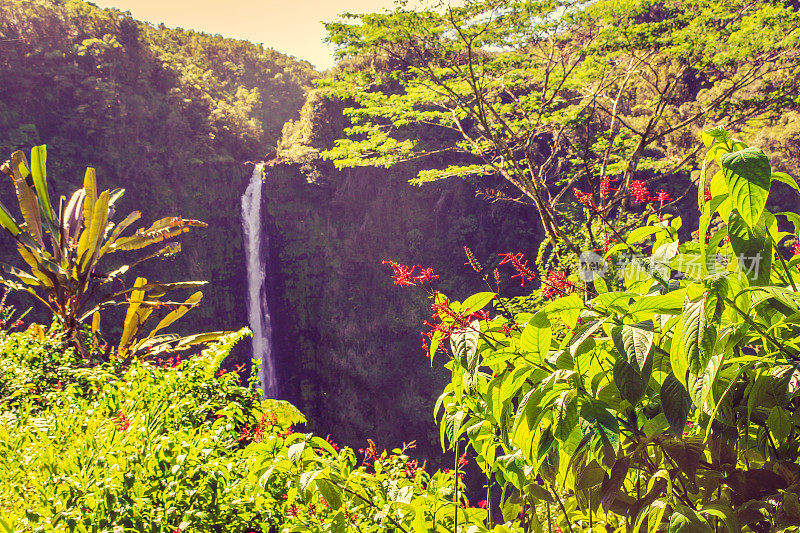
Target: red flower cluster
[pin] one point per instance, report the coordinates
(404, 275)
(330, 441)
(707, 194)
(605, 187)
(371, 452)
(457, 321)
(482, 504)
(172, 361)
(462, 461)
(663, 197)
(523, 272)
(556, 284)
(584, 197)
(639, 191)
(411, 468)
(796, 249)
(293, 511)
(122, 421)
(257, 433)
(15, 325)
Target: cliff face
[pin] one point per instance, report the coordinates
(347, 339)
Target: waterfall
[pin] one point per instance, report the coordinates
(255, 244)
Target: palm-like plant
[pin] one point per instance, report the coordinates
(62, 249)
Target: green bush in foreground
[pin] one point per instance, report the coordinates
(183, 447)
(669, 404)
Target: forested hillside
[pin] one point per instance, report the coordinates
(168, 114)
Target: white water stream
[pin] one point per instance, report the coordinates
(257, 310)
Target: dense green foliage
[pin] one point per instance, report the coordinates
(670, 401)
(555, 94)
(183, 447)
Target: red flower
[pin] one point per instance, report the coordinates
(333, 444)
(796, 249)
(122, 421)
(482, 504)
(639, 191)
(462, 461)
(605, 187)
(404, 275)
(584, 197)
(556, 284)
(293, 511)
(707, 194)
(523, 272)
(663, 197)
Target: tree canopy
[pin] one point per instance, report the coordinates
(556, 94)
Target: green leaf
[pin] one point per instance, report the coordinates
(478, 301)
(613, 482)
(686, 520)
(565, 414)
(675, 402)
(630, 381)
(724, 513)
(748, 173)
(7, 221)
(536, 336)
(330, 492)
(715, 134)
(693, 332)
(599, 420)
(783, 177)
(634, 342)
(753, 248)
(39, 173)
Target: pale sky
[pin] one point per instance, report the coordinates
(293, 27)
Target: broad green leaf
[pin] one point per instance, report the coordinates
(693, 332)
(675, 403)
(666, 304)
(634, 342)
(613, 482)
(724, 513)
(174, 315)
(747, 173)
(478, 301)
(783, 177)
(597, 419)
(89, 242)
(90, 189)
(630, 381)
(536, 336)
(753, 248)
(39, 174)
(686, 520)
(565, 414)
(330, 492)
(715, 134)
(166, 228)
(7, 221)
(28, 203)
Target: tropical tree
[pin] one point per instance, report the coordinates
(556, 94)
(62, 247)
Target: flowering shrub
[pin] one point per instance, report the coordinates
(180, 447)
(668, 404)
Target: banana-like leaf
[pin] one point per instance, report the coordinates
(39, 172)
(7, 221)
(167, 251)
(115, 195)
(90, 188)
(122, 226)
(28, 203)
(135, 316)
(95, 323)
(25, 277)
(72, 217)
(190, 302)
(89, 241)
(47, 279)
(154, 290)
(201, 338)
(165, 228)
(15, 286)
